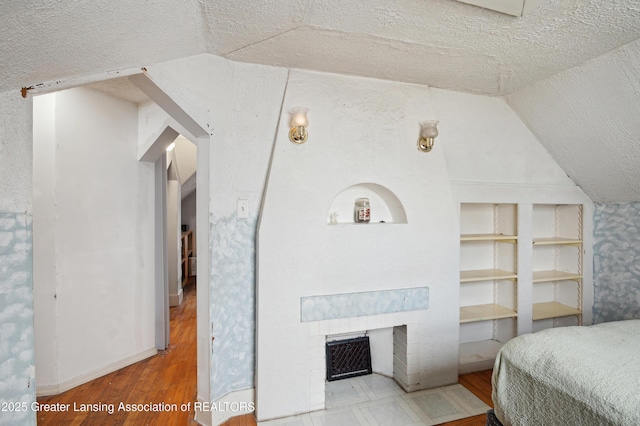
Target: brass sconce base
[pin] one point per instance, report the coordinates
(425, 144)
(298, 135)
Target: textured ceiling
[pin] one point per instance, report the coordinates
(441, 43)
(47, 40)
(587, 118)
(547, 62)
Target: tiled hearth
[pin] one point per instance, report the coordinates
(378, 400)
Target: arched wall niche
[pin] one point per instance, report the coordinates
(386, 207)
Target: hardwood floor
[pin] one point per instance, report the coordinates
(169, 378)
(479, 383)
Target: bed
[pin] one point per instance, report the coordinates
(569, 376)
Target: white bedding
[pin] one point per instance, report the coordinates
(570, 376)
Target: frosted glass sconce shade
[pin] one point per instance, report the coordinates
(428, 135)
(299, 122)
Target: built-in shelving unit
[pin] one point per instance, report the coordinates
(523, 252)
(488, 282)
(557, 265)
(187, 252)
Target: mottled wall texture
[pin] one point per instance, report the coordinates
(233, 307)
(616, 261)
(17, 386)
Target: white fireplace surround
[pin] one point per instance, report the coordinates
(363, 312)
(407, 342)
(362, 143)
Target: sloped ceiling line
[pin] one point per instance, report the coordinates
(226, 54)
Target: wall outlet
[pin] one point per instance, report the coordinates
(243, 209)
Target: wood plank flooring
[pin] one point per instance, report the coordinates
(169, 377)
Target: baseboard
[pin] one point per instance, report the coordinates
(236, 403)
(176, 299)
(48, 390)
(202, 417)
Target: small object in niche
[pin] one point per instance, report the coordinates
(185, 228)
(333, 218)
(362, 212)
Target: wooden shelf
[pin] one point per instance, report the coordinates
(365, 224)
(553, 310)
(484, 312)
(486, 275)
(556, 241)
(546, 276)
(489, 237)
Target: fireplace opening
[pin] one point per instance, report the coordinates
(348, 358)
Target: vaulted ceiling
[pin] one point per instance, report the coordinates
(442, 43)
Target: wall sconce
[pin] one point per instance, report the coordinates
(299, 123)
(429, 133)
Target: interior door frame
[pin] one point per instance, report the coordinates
(162, 329)
(181, 122)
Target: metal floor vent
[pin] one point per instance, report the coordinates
(348, 358)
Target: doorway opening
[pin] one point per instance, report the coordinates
(181, 216)
(100, 252)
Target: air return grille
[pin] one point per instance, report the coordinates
(348, 358)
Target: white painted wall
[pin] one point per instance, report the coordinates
(101, 213)
(44, 225)
(152, 125)
(185, 154)
(484, 141)
(174, 241)
(478, 136)
(381, 342)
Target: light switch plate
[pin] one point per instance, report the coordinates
(243, 209)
